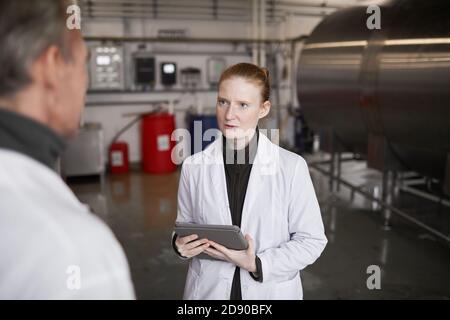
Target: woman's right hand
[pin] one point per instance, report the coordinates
(189, 247)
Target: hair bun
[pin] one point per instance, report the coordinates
(250, 72)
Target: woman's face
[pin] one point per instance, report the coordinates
(239, 107)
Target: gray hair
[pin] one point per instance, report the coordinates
(28, 28)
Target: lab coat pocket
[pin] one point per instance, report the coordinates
(213, 288)
(214, 282)
(191, 286)
(289, 290)
(215, 211)
(213, 204)
(274, 221)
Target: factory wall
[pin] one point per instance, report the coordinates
(114, 110)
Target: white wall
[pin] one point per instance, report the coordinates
(299, 25)
(112, 116)
(115, 117)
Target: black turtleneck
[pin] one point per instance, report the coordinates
(24, 135)
(238, 166)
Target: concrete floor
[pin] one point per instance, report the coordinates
(141, 210)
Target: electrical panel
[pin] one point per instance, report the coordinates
(190, 77)
(215, 67)
(168, 73)
(144, 72)
(106, 68)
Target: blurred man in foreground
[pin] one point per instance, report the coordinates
(51, 246)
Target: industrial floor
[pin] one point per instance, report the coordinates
(141, 210)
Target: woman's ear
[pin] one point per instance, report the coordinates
(265, 109)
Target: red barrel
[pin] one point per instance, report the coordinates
(156, 144)
(118, 157)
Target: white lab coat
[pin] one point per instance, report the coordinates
(280, 212)
(51, 246)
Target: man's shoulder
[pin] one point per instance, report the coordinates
(36, 202)
(53, 241)
(47, 258)
(59, 224)
(287, 159)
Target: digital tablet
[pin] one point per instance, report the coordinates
(230, 237)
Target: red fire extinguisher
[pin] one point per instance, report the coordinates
(118, 151)
(156, 143)
(118, 157)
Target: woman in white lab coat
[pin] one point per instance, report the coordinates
(269, 195)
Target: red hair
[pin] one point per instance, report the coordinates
(251, 73)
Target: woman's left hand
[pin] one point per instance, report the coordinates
(244, 259)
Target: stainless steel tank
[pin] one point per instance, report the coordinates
(393, 82)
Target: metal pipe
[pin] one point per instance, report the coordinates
(382, 204)
(179, 9)
(149, 16)
(262, 30)
(157, 9)
(425, 195)
(255, 31)
(325, 4)
(187, 40)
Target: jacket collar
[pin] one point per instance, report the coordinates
(28, 137)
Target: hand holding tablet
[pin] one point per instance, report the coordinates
(229, 236)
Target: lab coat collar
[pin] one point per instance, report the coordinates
(266, 159)
(266, 164)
